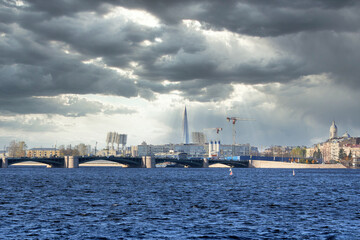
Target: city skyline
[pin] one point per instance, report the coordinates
(74, 72)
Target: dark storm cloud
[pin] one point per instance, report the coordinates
(66, 106)
(93, 37)
(67, 7)
(322, 35)
(313, 37)
(29, 67)
(33, 62)
(62, 77)
(192, 67)
(258, 18)
(337, 54)
(312, 105)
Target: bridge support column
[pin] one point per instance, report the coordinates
(206, 163)
(66, 160)
(71, 162)
(150, 162)
(143, 162)
(4, 162)
(147, 162)
(250, 164)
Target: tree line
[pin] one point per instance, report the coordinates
(19, 148)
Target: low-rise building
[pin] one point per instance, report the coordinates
(279, 151)
(43, 152)
(192, 150)
(234, 150)
(196, 150)
(171, 154)
(218, 150)
(150, 150)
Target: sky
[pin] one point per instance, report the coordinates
(71, 71)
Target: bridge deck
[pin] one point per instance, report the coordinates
(129, 161)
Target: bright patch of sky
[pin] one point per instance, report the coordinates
(137, 16)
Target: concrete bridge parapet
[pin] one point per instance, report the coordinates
(71, 162)
(4, 162)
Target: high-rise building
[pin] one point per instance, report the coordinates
(185, 129)
(198, 137)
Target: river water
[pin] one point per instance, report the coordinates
(173, 203)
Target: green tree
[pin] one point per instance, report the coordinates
(298, 152)
(350, 155)
(342, 154)
(317, 154)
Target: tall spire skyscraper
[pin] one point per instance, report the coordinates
(185, 128)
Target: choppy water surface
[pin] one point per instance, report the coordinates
(115, 203)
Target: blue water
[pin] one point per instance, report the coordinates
(117, 203)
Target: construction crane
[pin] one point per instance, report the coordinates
(218, 129)
(234, 119)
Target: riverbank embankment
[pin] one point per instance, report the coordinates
(274, 164)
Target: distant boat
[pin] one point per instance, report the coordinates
(231, 173)
(293, 172)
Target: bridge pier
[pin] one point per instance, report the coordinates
(205, 163)
(148, 162)
(71, 162)
(143, 162)
(250, 165)
(4, 162)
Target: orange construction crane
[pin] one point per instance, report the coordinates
(218, 129)
(234, 119)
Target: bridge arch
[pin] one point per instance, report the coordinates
(231, 164)
(129, 162)
(51, 162)
(198, 163)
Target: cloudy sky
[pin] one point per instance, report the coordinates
(70, 71)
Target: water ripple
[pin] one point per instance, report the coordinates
(115, 203)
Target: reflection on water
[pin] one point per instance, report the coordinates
(104, 202)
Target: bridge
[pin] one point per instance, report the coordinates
(133, 162)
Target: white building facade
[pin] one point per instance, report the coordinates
(331, 148)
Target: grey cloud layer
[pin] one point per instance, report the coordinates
(68, 106)
(259, 17)
(35, 124)
(250, 17)
(313, 37)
